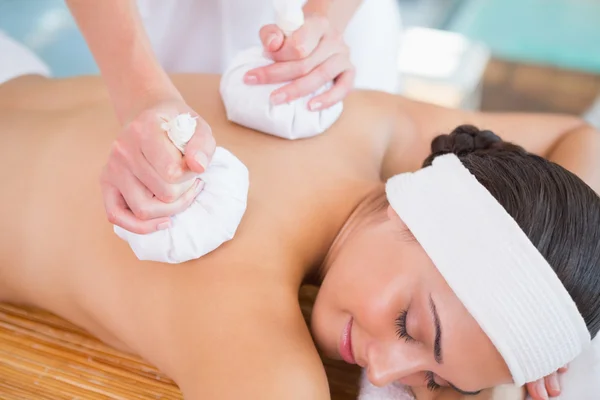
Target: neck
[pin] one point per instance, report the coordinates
(371, 209)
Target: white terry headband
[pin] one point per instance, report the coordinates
(492, 267)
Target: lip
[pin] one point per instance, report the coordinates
(346, 344)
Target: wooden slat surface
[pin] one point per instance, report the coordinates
(43, 357)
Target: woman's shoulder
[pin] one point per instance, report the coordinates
(246, 325)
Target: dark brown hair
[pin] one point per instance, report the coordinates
(559, 213)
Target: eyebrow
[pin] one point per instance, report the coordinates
(437, 342)
(437, 345)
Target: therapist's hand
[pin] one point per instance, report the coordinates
(146, 179)
(312, 56)
(545, 388)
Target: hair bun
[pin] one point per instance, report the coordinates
(464, 140)
(468, 139)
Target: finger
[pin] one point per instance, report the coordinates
(563, 369)
(302, 42)
(286, 71)
(342, 86)
(200, 149)
(271, 37)
(164, 158)
(540, 389)
(118, 214)
(552, 385)
(324, 73)
(533, 388)
(146, 207)
(123, 159)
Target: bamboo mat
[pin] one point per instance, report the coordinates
(43, 357)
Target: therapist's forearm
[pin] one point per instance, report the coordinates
(579, 152)
(115, 35)
(338, 12)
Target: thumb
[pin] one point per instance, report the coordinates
(200, 149)
(271, 37)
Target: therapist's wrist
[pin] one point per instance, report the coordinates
(131, 101)
(317, 7)
(337, 12)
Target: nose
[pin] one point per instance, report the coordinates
(391, 363)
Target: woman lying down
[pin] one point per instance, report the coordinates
(426, 279)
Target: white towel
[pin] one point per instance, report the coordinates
(17, 60)
(582, 380)
(392, 391)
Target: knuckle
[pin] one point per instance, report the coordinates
(211, 144)
(351, 78)
(136, 128)
(204, 127)
(173, 173)
(323, 22)
(112, 169)
(143, 212)
(302, 51)
(168, 195)
(304, 67)
(336, 36)
(291, 91)
(352, 72)
(112, 216)
(325, 73)
(345, 50)
(299, 49)
(119, 149)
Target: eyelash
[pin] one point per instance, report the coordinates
(402, 334)
(401, 327)
(431, 385)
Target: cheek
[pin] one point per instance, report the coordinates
(377, 296)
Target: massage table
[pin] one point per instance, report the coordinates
(44, 357)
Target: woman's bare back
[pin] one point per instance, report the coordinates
(234, 312)
(58, 244)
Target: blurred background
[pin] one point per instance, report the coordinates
(527, 55)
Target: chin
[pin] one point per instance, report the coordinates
(327, 346)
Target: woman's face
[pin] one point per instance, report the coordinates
(384, 306)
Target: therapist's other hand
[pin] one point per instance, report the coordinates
(146, 179)
(312, 56)
(545, 388)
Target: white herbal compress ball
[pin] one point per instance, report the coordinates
(213, 217)
(250, 105)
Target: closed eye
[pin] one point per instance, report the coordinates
(401, 327)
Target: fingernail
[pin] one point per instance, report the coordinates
(554, 384)
(163, 225)
(314, 106)
(250, 79)
(199, 186)
(278, 98)
(201, 159)
(541, 389)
